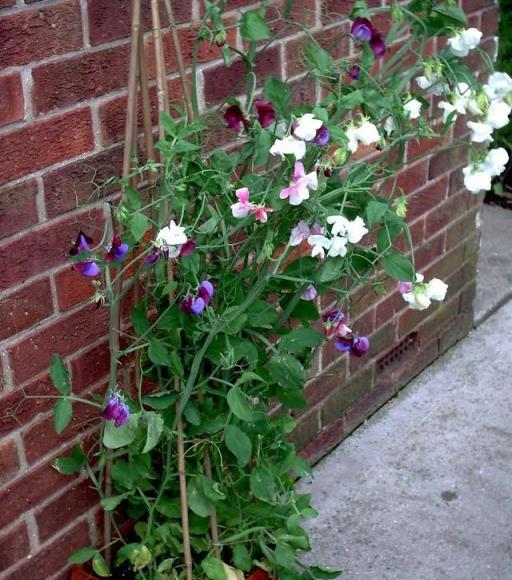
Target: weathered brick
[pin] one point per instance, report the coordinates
(426, 198)
(72, 288)
(324, 442)
(326, 382)
(54, 555)
(81, 183)
(429, 250)
(9, 465)
(43, 143)
(90, 366)
(18, 208)
(14, 545)
(307, 427)
(45, 247)
(441, 216)
(65, 508)
(31, 35)
(32, 354)
(25, 307)
(81, 77)
(266, 63)
(12, 104)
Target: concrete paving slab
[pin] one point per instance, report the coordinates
(494, 262)
(423, 490)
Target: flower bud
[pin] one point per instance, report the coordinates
(220, 38)
(340, 156)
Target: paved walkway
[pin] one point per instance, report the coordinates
(423, 490)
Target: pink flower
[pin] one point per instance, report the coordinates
(299, 233)
(244, 207)
(298, 190)
(405, 287)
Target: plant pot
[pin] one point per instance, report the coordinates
(79, 572)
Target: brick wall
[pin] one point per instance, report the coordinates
(62, 94)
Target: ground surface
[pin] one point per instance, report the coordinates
(423, 491)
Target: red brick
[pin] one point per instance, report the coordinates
(446, 161)
(71, 80)
(65, 508)
(53, 556)
(9, 464)
(25, 307)
(429, 251)
(318, 389)
(29, 490)
(476, 5)
(31, 35)
(441, 216)
(14, 545)
(307, 428)
(303, 91)
(81, 183)
(333, 10)
(324, 442)
(90, 366)
(32, 354)
(266, 63)
(7, 3)
(45, 247)
(46, 142)
(72, 288)
(12, 104)
(423, 200)
(110, 21)
(490, 20)
(18, 208)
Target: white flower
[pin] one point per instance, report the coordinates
(338, 247)
(412, 109)
(436, 289)
(474, 107)
(352, 140)
(389, 125)
(433, 85)
(289, 146)
(319, 244)
(417, 299)
(480, 132)
(467, 40)
(495, 162)
(476, 179)
(498, 86)
(448, 109)
(367, 133)
(497, 114)
(352, 230)
(171, 237)
(307, 126)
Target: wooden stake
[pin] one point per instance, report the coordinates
(161, 82)
(146, 104)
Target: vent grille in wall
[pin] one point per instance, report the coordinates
(400, 352)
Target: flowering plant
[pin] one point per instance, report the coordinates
(243, 263)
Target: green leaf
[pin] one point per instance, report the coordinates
(138, 225)
(398, 267)
(239, 405)
(300, 339)
(100, 566)
(185, 147)
(248, 377)
(375, 211)
(168, 123)
(318, 59)
(451, 15)
(242, 557)
(213, 568)
(60, 375)
(191, 413)
(262, 145)
(287, 371)
(160, 401)
(262, 484)
(238, 443)
(109, 504)
(329, 271)
(261, 314)
(253, 27)
(158, 353)
(116, 437)
(72, 463)
(140, 319)
(387, 235)
(291, 398)
(305, 310)
(155, 426)
(352, 99)
(82, 555)
(62, 413)
(278, 93)
(197, 500)
(322, 574)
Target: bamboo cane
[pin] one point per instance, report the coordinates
(145, 104)
(161, 83)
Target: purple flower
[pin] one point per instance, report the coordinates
(265, 113)
(88, 267)
(206, 291)
(117, 251)
(116, 410)
(405, 287)
(234, 118)
(354, 72)
(187, 248)
(333, 316)
(377, 44)
(357, 346)
(310, 293)
(322, 137)
(153, 257)
(192, 305)
(362, 29)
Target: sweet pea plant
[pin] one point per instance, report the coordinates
(230, 253)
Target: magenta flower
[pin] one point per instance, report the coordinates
(322, 137)
(153, 257)
(377, 44)
(87, 267)
(357, 346)
(117, 251)
(235, 118)
(298, 190)
(335, 322)
(116, 410)
(196, 304)
(187, 248)
(244, 207)
(354, 72)
(405, 287)
(362, 29)
(265, 113)
(206, 291)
